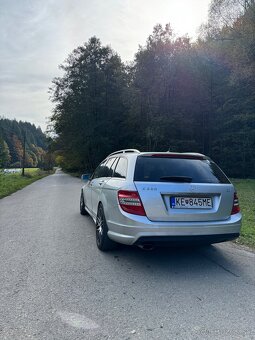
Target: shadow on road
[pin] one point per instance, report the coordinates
(207, 262)
(182, 260)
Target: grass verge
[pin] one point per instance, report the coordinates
(246, 194)
(9, 183)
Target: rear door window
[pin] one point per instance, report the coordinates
(121, 168)
(110, 166)
(157, 169)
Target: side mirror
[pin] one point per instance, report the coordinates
(85, 177)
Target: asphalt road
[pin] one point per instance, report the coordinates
(55, 284)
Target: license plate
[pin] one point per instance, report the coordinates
(190, 202)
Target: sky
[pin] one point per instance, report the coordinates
(37, 35)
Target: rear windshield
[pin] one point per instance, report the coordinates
(150, 169)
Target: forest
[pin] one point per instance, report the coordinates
(176, 95)
(13, 135)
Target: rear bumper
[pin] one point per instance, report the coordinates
(185, 240)
(141, 230)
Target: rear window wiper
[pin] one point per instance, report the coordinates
(181, 179)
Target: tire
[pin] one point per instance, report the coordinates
(102, 239)
(83, 211)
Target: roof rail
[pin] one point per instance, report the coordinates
(124, 151)
(194, 153)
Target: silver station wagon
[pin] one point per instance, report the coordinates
(160, 198)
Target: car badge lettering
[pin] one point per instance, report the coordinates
(150, 189)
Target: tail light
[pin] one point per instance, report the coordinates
(235, 208)
(130, 202)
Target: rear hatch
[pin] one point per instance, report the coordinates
(182, 187)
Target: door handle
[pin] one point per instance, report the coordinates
(101, 182)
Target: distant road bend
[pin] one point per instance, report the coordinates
(56, 285)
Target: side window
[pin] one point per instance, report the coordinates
(96, 173)
(110, 166)
(101, 171)
(121, 168)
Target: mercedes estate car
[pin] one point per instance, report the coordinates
(160, 198)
